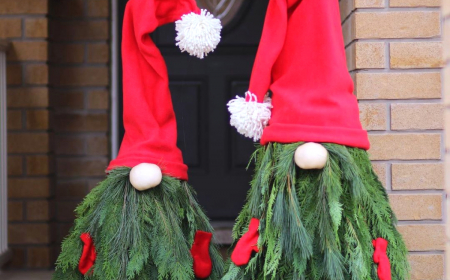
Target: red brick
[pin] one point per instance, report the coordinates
(69, 145)
(10, 27)
(67, 8)
(18, 258)
(71, 189)
(65, 211)
(98, 99)
(36, 74)
(28, 233)
(68, 100)
(98, 8)
(28, 143)
(28, 188)
(36, 27)
(98, 53)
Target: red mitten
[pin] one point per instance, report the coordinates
(200, 254)
(247, 244)
(88, 256)
(380, 257)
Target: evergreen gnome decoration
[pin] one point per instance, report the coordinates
(316, 210)
(143, 220)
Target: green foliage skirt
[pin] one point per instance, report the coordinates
(317, 224)
(137, 235)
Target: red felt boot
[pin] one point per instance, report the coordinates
(380, 257)
(88, 256)
(200, 254)
(247, 244)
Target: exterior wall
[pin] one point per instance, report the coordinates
(394, 54)
(446, 82)
(79, 84)
(24, 23)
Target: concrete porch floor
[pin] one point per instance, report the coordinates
(41, 275)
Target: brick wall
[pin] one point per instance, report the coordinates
(446, 82)
(24, 23)
(58, 101)
(394, 54)
(79, 82)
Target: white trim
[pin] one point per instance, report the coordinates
(114, 79)
(4, 252)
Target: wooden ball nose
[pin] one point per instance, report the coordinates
(145, 176)
(311, 156)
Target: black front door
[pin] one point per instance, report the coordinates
(216, 154)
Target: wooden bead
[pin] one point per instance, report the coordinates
(311, 156)
(145, 176)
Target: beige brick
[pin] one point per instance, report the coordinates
(10, 27)
(426, 267)
(80, 76)
(380, 169)
(14, 74)
(98, 100)
(373, 116)
(98, 53)
(37, 119)
(36, 27)
(67, 53)
(15, 211)
(76, 167)
(29, 233)
(24, 7)
(416, 55)
(28, 142)
(414, 3)
(14, 120)
(417, 116)
(445, 8)
(417, 206)
(28, 97)
(81, 123)
(15, 165)
(398, 85)
(69, 145)
(417, 176)
(404, 24)
(369, 3)
(68, 99)
(426, 237)
(446, 39)
(81, 30)
(28, 51)
(447, 129)
(36, 74)
(38, 210)
(28, 187)
(97, 145)
(38, 165)
(39, 257)
(68, 8)
(366, 55)
(98, 8)
(405, 146)
(446, 82)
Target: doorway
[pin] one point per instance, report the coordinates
(216, 154)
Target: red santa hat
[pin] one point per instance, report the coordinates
(148, 116)
(301, 60)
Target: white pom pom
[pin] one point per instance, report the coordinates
(250, 117)
(198, 34)
(145, 176)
